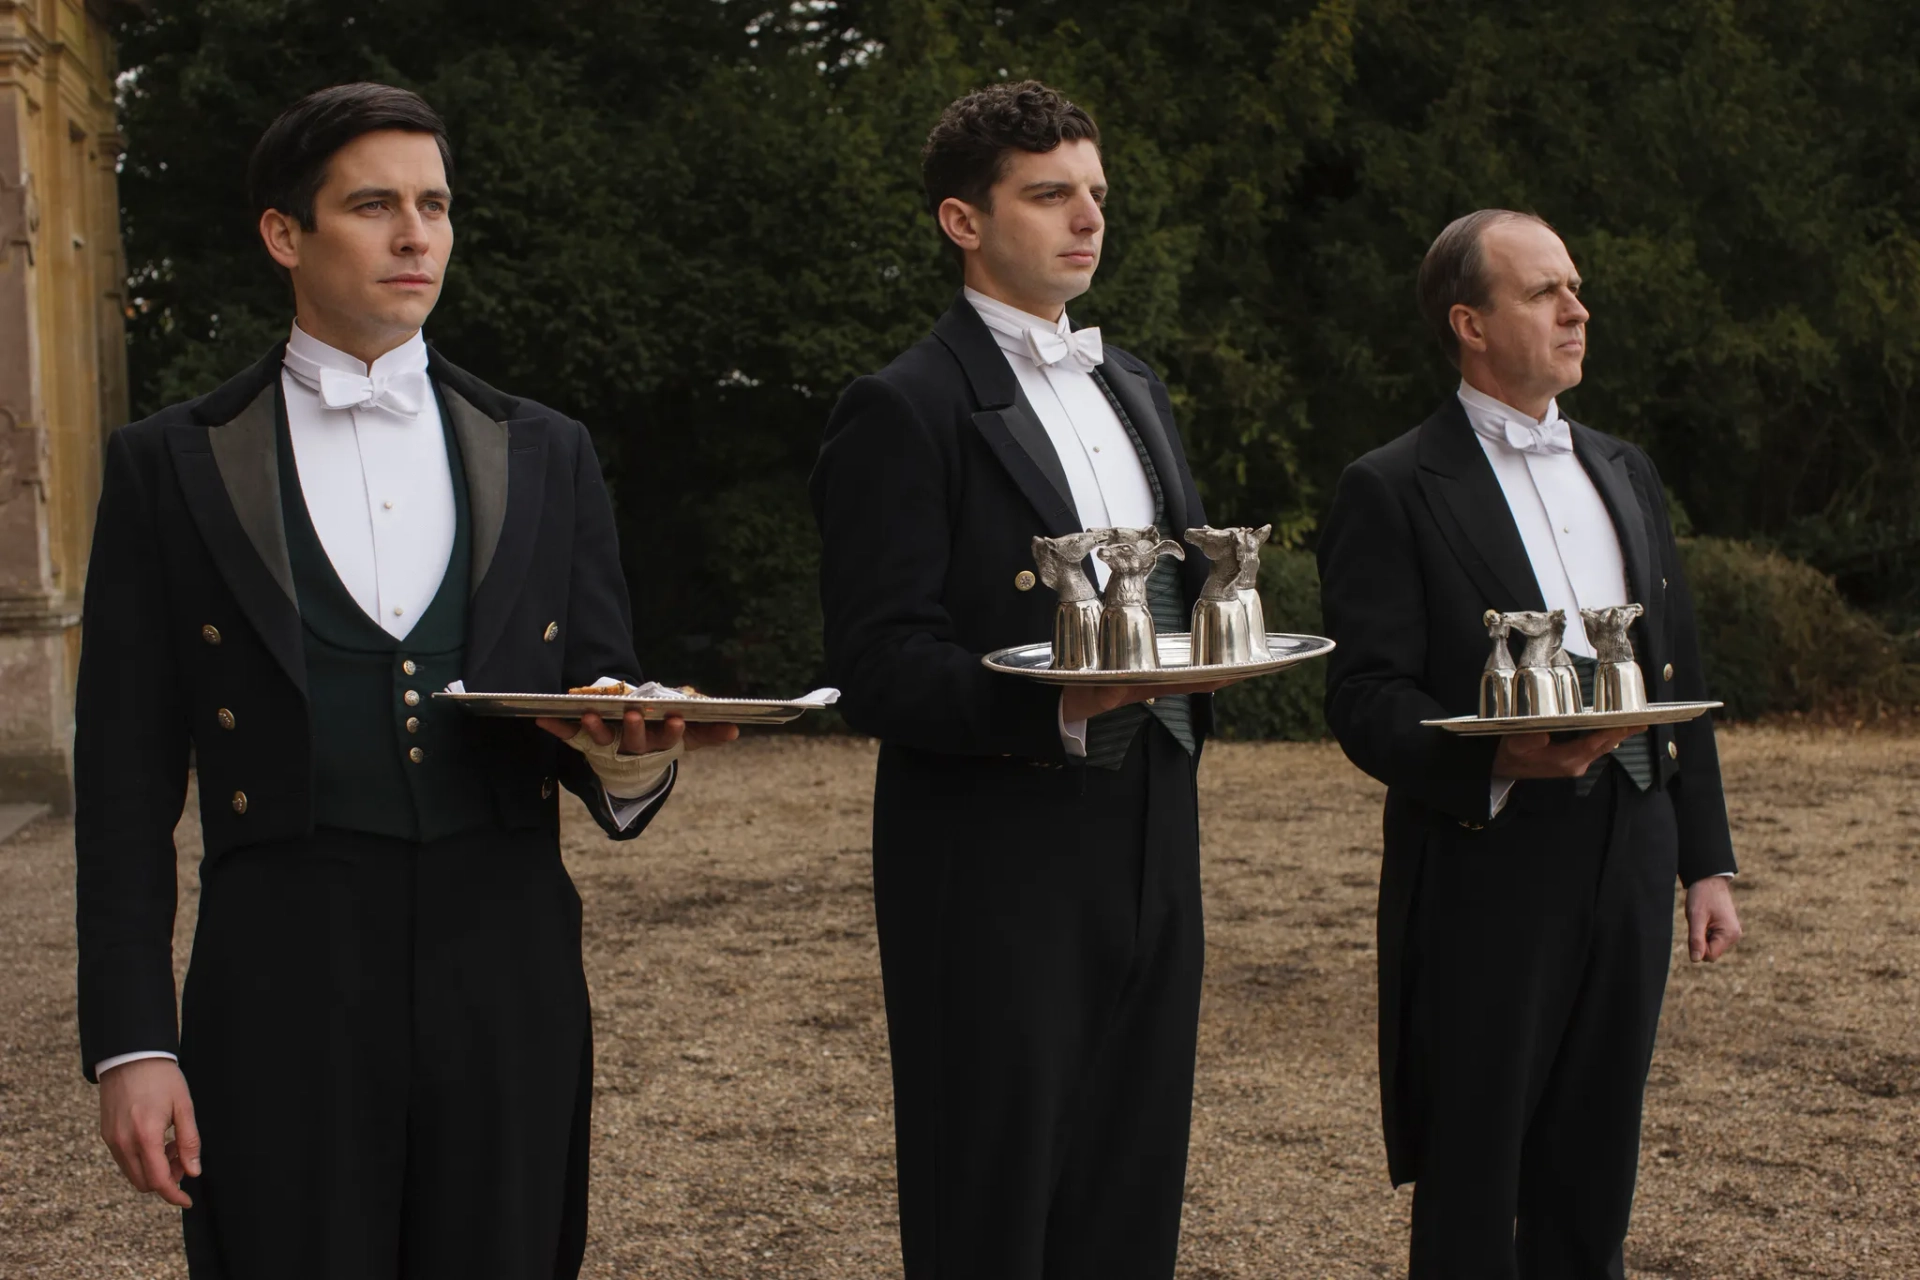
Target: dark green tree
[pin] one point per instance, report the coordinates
(690, 224)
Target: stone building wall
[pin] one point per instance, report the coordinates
(63, 383)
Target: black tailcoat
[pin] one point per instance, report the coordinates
(1418, 545)
(190, 610)
(998, 864)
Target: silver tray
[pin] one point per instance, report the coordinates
(1035, 662)
(1653, 713)
(694, 710)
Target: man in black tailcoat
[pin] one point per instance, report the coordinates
(1036, 855)
(383, 1066)
(1526, 897)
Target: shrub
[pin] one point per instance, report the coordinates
(1776, 636)
(1286, 705)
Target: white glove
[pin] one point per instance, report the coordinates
(623, 776)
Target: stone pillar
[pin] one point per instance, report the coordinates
(62, 366)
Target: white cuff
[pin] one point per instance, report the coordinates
(1073, 733)
(1497, 794)
(627, 812)
(105, 1065)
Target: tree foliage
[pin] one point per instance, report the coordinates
(691, 222)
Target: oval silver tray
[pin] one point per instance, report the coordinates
(571, 706)
(1035, 662)
(1653, 713)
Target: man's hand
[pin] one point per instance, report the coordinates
(1085, 701)
(1713, 926)
(139, 1102)
(637, 737)
(1537, 755)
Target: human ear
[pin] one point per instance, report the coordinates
(961, 222)
(281, 235)
(1465, 322)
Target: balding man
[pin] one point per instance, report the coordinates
(1526, 896)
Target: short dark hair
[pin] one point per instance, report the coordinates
(969, 148)
(1454, 272)
(289, 164)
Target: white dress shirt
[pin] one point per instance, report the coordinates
(1104, 477)
(1569, 535)
(374, 475)
(371, 454)
(1105, 480)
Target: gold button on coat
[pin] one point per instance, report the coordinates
(210, 633)
(239, 802)
(413, 724)
(225, 717)
(416, 755)
(408, 666)
(411, 697)
(1673, 751)
(1023, 580)
(1666, 672)
(552, 632)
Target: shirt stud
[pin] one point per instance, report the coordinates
(397, 611)
(388, 504)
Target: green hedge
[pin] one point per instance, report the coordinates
(1776, 637)
(1286, 705)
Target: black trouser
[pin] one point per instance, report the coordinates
(1042, 950)
(388, 1049)
(1536, 969)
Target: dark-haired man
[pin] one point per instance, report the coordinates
(1526, 898)
(1036, 855)
(385, 1025)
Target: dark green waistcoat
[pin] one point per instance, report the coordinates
(387, 759)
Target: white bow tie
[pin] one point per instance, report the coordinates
(1552, 437)
(1079, 349)
(402, 393)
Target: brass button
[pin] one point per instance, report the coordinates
(1663, 584)
(1023, 580)
(239, 802)
(413, 724)
(408, 667)
(416, 755)
(552, 632)
(210, 633)
(1673, 751)
(1666, 672)
(411, 697)
(225, 717)
(546, 788)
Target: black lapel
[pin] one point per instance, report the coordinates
(1466, 498)
(1136, 397)
(484, 455)
(495, 597)
(229, 469)
(1006, 421)
(1606, 462)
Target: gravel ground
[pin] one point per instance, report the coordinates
(742, 1125)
